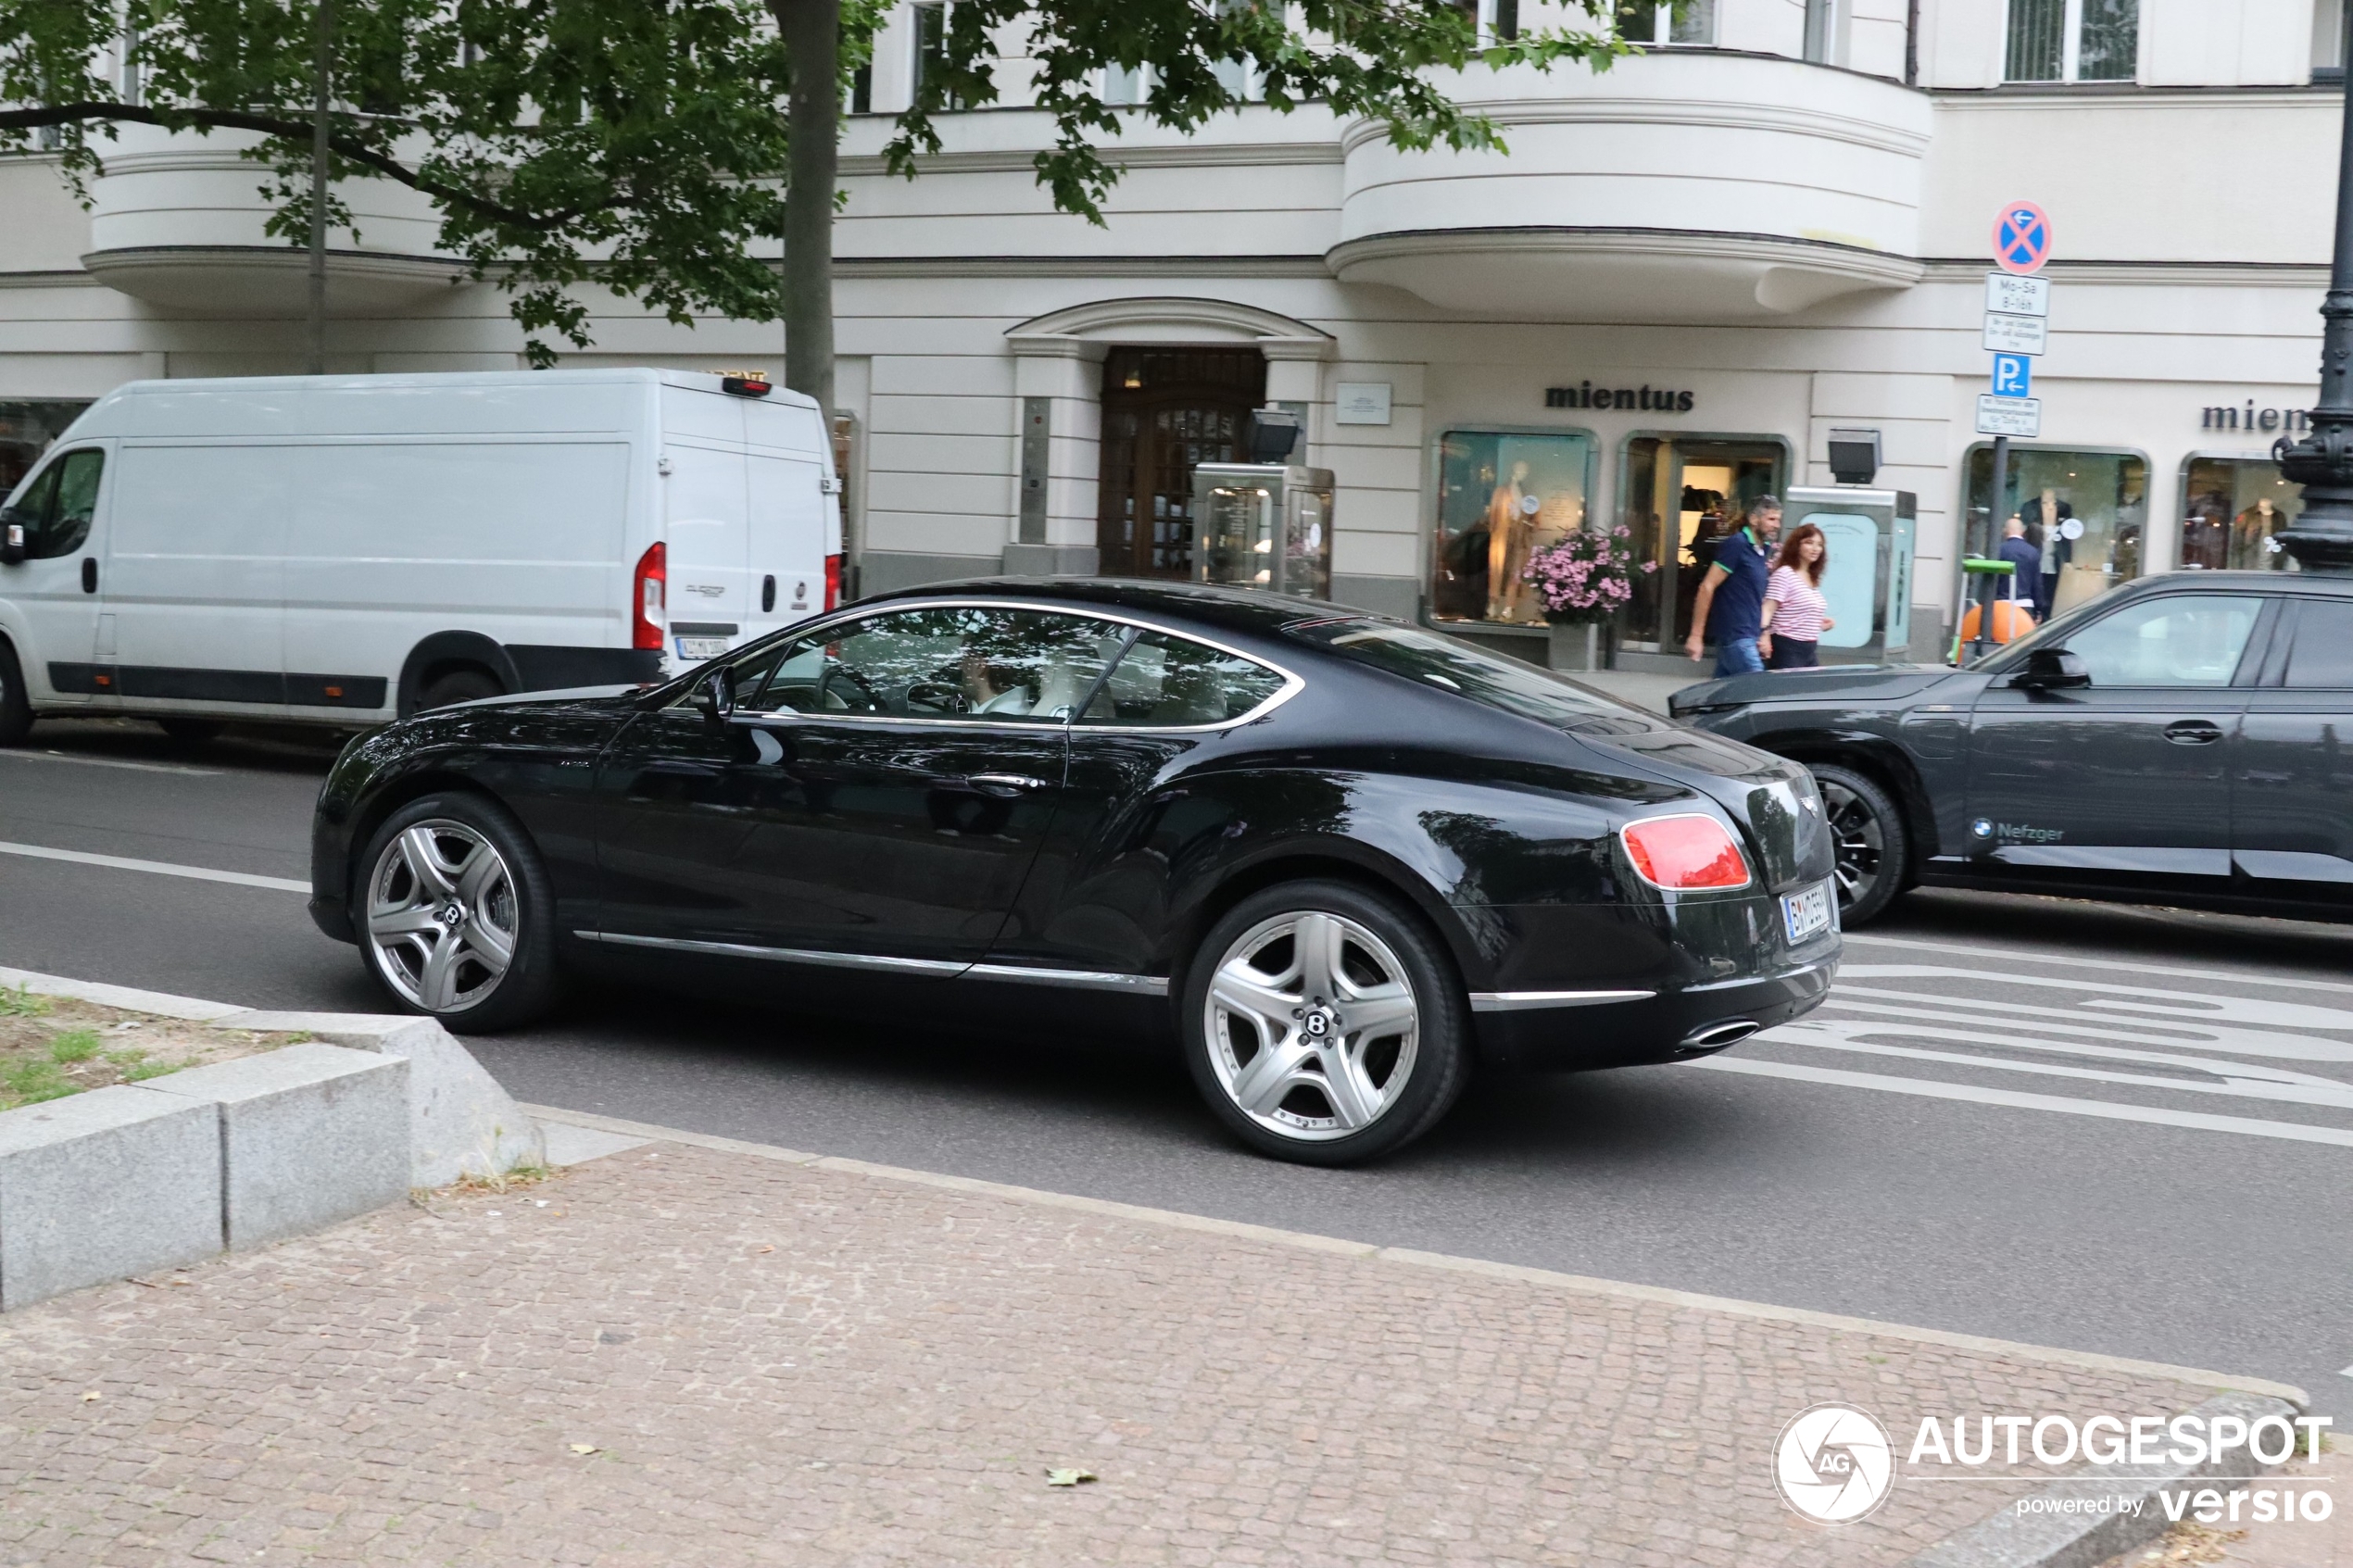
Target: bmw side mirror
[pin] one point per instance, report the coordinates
(2052, 669)
(714, 695)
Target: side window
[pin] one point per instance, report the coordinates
(2323, 656)
(1172, 681)
(58, 507)
(1013, 666)
(2184, 640)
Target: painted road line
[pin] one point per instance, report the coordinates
(14, 754)
(2013, 955)
(1930, 1088)
(158, 868)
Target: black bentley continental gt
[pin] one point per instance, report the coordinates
(1338, 857)
(2180, 740)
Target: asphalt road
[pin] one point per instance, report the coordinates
(2126, 1131)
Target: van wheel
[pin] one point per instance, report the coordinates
(458, 685)
(1324, 1024)
(190, 731)
(455, 914)
(1868, 836)
(15, 704)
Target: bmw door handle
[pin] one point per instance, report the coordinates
(2193, 732)
(1005, 784)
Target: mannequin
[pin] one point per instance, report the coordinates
(2047, 513)
(1511, 522)
(2250, 534)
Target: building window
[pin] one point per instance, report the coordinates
(2084, 510)
(2074, 40)
(931, 49)
(1126, 86)
(862, 89)
(1656, 23)
(26, 431)
(2231, 510)
(1500, 496)
(2328, 40)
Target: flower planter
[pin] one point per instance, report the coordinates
(1577, 648)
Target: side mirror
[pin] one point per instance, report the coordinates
(714, 695)
(2051, 670)
(12, 540)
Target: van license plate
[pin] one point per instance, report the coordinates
(701, 647)
(1807, 912)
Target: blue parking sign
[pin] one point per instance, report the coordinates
(2013, 375)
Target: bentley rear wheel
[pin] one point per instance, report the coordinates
(1324, 1024)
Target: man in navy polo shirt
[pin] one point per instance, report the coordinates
(1729, 611)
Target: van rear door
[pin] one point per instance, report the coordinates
(706, 504)
(786, 577)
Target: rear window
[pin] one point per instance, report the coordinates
(1483, 677)
(1170, 681)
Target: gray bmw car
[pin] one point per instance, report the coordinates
(2187, 740)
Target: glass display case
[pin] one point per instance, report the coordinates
(1263, 525)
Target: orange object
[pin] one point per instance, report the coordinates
(2012, 620)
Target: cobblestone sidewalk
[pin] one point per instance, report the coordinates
(679, 1355)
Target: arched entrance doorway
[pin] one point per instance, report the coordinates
(1166, 411)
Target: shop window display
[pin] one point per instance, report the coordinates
(26, 431)
(2085, 512)
(1501, 497)
(2233, 510)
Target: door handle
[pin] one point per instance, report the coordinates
(2193, 732)
(89, 574)
(1004, 783)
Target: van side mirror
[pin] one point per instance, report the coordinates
(2051, 670)
(12, 539)
(714, 695)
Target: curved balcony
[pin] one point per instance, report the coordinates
(1678, 186)
(178, 222)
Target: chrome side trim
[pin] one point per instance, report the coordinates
(1519, 1001)
(780, 955)
(1798, 972)
(1082, 979)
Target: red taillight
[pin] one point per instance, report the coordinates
(649, 599)
(833, 582)
(1684, 853)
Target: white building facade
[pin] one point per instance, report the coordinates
(1682, 273)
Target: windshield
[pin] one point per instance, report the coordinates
(1472, 672)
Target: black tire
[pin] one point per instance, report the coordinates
(466, 997)
(191, 732)
(1304, 1121)
(464, 684)
(1874, 847)
(16, 703)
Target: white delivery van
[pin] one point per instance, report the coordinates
(341, 550)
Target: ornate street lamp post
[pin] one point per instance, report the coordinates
(2322, 462)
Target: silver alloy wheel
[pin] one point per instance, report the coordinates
(1858, 838)
(1312, 1025)
(442, 915)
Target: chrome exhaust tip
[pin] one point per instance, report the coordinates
(1716, 1036)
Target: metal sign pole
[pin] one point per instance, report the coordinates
(1987, 548)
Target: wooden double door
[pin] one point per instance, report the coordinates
(1165, 411)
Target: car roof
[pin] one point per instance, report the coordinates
(1233, 609)
(2245, 582)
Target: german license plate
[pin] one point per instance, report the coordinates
(1807, 913)
(701, 647)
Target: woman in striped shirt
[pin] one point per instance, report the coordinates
(1795, 618)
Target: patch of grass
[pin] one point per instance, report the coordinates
(23, 1003)
(126, 1058)
(146, 1069)
(34, 1080)
(74, 1044)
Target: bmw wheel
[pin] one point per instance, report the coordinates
(1873, 848)
(1325, 1024)
(454, 914)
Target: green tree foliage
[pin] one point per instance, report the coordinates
(639, 144)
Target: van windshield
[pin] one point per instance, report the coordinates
(1486, 678)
